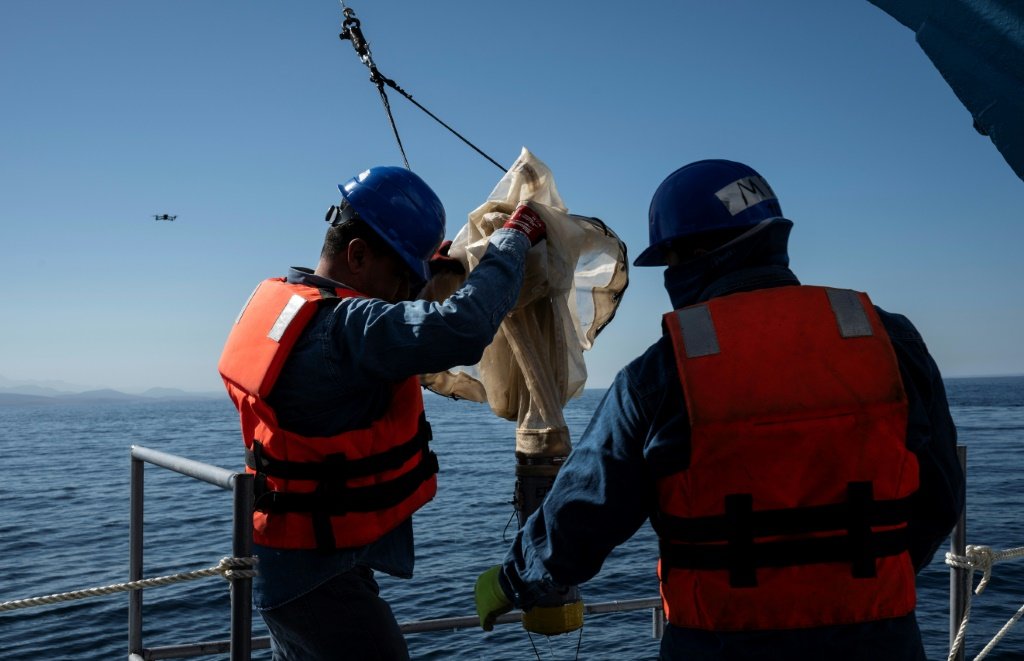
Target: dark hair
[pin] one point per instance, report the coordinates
(338, 237)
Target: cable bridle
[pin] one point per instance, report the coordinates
(351, 30)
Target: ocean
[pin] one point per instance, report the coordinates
(64, 526)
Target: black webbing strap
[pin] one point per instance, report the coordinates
(334, 497)
(338, 466)
(739, 511)
(783, 553)
(728, 541)
(797, 521)
(858, 528)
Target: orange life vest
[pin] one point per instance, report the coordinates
(793, 511)
(330, 492)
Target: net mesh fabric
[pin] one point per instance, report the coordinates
(571, 288)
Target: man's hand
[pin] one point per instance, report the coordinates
(442, 263)
(529, 222)
(491, 598)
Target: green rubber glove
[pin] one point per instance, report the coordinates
(491, 600)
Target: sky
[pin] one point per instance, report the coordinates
(241, 117)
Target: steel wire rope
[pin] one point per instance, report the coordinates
(352, 31)
(394, 127)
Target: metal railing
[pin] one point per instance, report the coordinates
(959, 579)
(423, 626)
(240, 484)
(241, 643)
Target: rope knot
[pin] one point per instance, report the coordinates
(981, 557)
(236, 568)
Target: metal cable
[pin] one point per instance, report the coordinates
(351, 31)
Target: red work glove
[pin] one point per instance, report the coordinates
(527, 221)
(442, 263)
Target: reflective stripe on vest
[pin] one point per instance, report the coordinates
(274, 316)
(340, 491)
(793, 510)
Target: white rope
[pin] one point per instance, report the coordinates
(229, 568)
(975, 558)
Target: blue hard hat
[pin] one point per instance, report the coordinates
(703, 197)
(402, 209)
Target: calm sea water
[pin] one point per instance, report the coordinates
(64, 526)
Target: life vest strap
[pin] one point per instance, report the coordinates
(786, 553)
(338, 466)
(796, 521)
(335, 498)
(729, 540)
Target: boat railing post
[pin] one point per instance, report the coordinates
(958, 577)
(241, 588)
(135, 557)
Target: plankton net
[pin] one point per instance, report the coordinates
(572, 286)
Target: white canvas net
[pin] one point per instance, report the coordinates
(571, 289)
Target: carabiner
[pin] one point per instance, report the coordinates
(351, 31)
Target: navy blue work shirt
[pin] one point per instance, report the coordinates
(340, 375)
(640, 431)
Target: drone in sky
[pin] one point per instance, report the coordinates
(163, 216)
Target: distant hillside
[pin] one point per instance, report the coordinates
(177, 393)
(20, 396)
(102, 394)
(60, 389)
(48, 385)
(30, 389)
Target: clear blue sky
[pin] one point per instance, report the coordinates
(242, 116)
